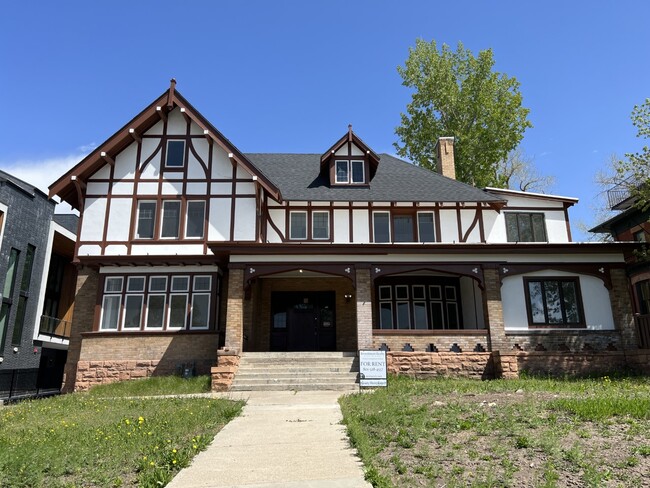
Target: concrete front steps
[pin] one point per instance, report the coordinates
(275, 371)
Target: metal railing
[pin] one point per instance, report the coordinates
(622, 192)
(643, 330)
(54, 327)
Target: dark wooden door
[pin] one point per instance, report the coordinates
(303, 321)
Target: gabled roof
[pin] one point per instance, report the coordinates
(299, 178)
(350, 136)
(67, 186)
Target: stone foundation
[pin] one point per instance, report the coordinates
(431, 365)
(223, 374)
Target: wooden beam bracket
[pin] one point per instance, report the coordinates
(107, 158)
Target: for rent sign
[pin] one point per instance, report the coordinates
(372, 368)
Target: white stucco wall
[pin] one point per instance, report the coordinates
(595, 300)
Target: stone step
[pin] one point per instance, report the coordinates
(277, 369)
(306, 387)
(299, 354)
(261, 360)
(282, 375)
(296, 381)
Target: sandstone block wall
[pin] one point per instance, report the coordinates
(429, 365)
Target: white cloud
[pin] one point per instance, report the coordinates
(43, 172)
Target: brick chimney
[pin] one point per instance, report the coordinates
(445, 157)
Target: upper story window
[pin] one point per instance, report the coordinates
(350, 171)
(175, 154)
(554, 302)
(299, 228)
(525, 227)
(400, 227)
(195, 219)
(146, 219)
(170, 219)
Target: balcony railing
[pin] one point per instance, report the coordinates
(620, 196)
(643, 330)
(54, 327)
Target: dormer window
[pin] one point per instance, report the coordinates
(342, 172)
(175, 154)
(350, 172)
(349, 162)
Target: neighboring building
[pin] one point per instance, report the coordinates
(632, 224)
(187, 245)
(37, 280)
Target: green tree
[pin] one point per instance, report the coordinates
(458, 94)
(634, 170)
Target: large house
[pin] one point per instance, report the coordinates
(632, 223)
(190, 250)
(37, 289)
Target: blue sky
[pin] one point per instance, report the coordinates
(289, 76)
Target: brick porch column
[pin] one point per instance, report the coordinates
(235, 310)
(83, 316)
(364, 309)
(622, 311)
(494, 310)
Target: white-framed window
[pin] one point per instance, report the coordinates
(175, 157)
(110, 312)
(195, 221)
(177, 311)
(171, 219)
(358, 172)
(155, 311)
(298, 225)
(342, 170)
(426, 229)
(381, 226)
(158, 302)
(320, 225)
(146, 219)
(200, 313)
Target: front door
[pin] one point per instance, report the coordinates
(303, 321)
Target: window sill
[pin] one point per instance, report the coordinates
(431, 332)
(123, 333)
(560, 331)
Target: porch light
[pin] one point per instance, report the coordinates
(348, 297)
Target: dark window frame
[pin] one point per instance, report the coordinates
(414, 300)
(397, 212)
(531, 216)
(23, 295)
(147, 292)
(581, 324)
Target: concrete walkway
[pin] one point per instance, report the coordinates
(281, 439)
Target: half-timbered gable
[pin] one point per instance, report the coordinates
(189, 245)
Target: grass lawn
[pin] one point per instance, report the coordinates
(528, 432)
(101, 438)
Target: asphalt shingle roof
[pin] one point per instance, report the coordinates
(298, 178)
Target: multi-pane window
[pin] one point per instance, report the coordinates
(158, 302)
(175, 154)
(301, 229)
(320, 225)
(171, 219)
(25, 282)
(525, 227)
(7, 294)
(146, 220)
(553, 302)
(400, 227)
(427, 303)
(349, 171)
